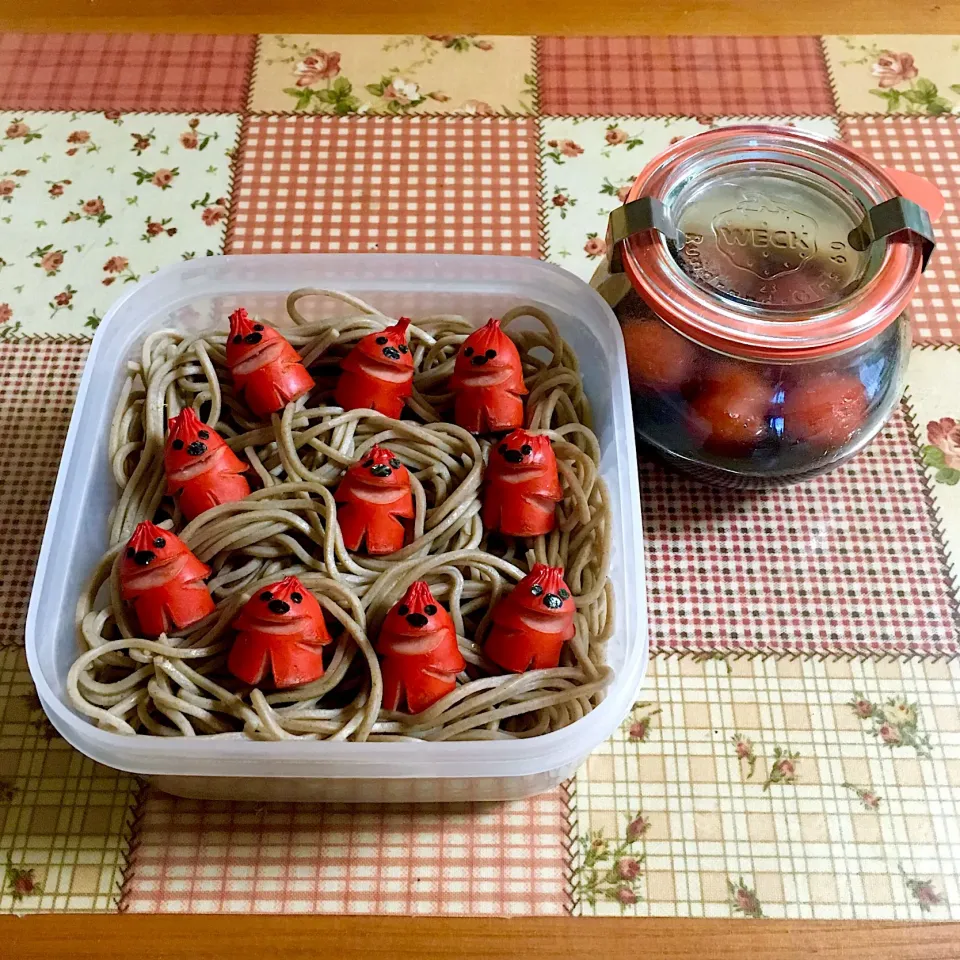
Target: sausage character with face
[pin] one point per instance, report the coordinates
(418, 644)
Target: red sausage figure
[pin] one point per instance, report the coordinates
(488, 382)
(373, 499)
(421, 658)
(281, 634)
(378, 372)
(266, 370)
(531, 624)
(521, 486)
(200, 467)
(163, 581)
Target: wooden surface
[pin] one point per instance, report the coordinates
(105, 937)
(490, 16)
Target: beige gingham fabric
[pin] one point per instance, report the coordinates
(65, 821)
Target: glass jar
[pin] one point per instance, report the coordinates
(760, 276)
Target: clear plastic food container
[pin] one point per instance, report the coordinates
(760, 275)
(196, 295)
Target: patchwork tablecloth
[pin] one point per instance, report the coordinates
(795, 748)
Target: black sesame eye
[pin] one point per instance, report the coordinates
(177, 444)
(159, 542)
(468, 351)
(526, 449)
(238, 339)
(403, 348)
(266, 596)
(430, 609)
(394, 462)
(296, 597)
(490, 354)
(564, 594)
(403, 609)
(203, 434)
(536, 589)
(258, 326)
(381, 340)
(503, 449)
(131, 553)
(368, 463)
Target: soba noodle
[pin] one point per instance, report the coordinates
(179, 686)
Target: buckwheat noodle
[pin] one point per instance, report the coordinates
(179, 686)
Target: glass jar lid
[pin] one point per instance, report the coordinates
(757, 246)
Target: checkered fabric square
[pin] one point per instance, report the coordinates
(862, 814)
(683, 75)
(38, 382)
(98, 71)
(847, 562)
(215, 857)
(64, 820)
(372, 184)
(930, 147)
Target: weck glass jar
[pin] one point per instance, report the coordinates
(760, 275)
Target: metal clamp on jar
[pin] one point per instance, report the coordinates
(760, 276)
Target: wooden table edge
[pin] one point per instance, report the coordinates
(219, 937)
(519, 17)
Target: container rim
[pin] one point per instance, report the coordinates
(307, 758)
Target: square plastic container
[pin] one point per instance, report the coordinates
(197, 295)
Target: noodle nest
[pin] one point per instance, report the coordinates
(179, 686)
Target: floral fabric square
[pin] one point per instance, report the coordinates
(394, 75)
(798, 799)
(683, 76)
(933, 400)
(895, 74)
(118, 71)
(92, 202)
(589, 164)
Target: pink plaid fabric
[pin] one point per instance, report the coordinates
(98, 71)
(387, 185)
(211, 857)
(683, 75)
(848, 562)
(930, 147)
